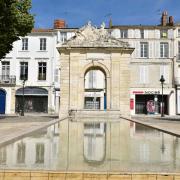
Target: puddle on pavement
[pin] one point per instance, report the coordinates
(116, 146)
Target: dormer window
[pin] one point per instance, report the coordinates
(63, 37)
(164, 33)
(124, 33)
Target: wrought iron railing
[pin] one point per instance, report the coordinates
(5, 79)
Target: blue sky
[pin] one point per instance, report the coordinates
(123, 12)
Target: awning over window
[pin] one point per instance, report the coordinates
(32, 91)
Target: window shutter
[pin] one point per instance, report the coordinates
(145, 33)
(146, 74)
(130, 33)
(137, 33)
(157, 34)
(116, 33)
(171, 49)
(164, 70)
(166, 73)
(137, 49)
(151, 49)
(157, 49)
(170, 34)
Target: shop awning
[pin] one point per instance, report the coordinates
(32, 91)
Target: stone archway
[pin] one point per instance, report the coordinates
(95, 89)
(93, 48)
(105, 96)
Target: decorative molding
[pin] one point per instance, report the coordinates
(91, 36)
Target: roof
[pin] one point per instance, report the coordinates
(142, 27)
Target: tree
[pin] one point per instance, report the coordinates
(15, 21)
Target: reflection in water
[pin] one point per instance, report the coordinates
(95, 145)
(94, 141)
(40, 153)
(3, 155)
(21, 152)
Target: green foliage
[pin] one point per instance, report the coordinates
(15, 21)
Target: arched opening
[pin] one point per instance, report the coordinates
(95, 89)
(2, 101)
(35, 99)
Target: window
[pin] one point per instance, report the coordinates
(63, 36)
(164, 70)
(178, 50)
(40, 153)
(144, 49)
(42, 44)
(164, 50)
(92, 79)
(5, 70)
(24, 44)
(23, 70)
(178, 32)
(142, 33)
(21, 148)
(164, 33)
(124, 33)
(143, 74)
(42, 71)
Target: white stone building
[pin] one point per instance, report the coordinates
(35, 59)
(153, 57)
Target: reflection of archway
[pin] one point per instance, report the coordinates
(95, 88)
(35, 99)
(2, 101)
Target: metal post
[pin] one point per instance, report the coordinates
(162, 105)
(22, 113)
(162, 113)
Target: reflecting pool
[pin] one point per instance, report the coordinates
(94, 145)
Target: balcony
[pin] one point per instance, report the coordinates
(7, 80)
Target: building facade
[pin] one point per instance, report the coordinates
(34, 62)
(153, 56)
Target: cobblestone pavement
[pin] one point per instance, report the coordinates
(12, 128)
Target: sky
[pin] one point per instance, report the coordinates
(76, 13)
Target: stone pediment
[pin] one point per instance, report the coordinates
(90, 36)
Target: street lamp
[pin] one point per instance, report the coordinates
(162, 101)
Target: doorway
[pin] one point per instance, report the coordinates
(2, 101)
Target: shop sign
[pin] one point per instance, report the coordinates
(146, 92)
(152, 92)
(93, 94)
(131, 104)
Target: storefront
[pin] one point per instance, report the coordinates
(35, 100)
(150, 101)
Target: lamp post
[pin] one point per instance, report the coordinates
(22, 113)
(162, 101)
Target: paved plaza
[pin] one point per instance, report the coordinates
(12, 128)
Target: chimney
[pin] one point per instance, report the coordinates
(59, 23)
(171, 21)
(164, 18)
(110, 23)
